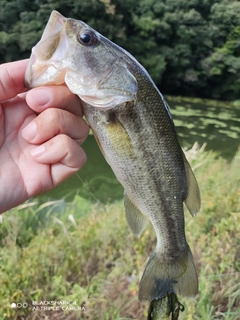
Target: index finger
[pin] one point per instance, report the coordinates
(12, 79)
(58, 96)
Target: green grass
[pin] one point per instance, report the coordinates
(85, 254)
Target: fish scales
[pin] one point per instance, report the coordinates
(141, 171)
(134, 129)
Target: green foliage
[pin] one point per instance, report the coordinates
(188, 47)
(85, 254)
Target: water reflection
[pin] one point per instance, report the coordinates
(213, 122)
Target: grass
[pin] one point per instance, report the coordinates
(84, 254)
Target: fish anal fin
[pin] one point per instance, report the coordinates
(162, 276)
(135, 219)
(193, 199)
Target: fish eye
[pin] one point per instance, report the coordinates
(87, 38)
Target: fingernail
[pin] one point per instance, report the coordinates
(41, 96)
(38, 151)
(30, 131)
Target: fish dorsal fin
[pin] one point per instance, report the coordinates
(193, 199)
(135, 219)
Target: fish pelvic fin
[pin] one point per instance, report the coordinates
(162, 276)
(135, 219)
(193, 199)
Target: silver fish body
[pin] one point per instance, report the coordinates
(132, 124)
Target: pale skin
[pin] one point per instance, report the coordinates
(40, 136)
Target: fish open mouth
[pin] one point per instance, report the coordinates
(47, 56)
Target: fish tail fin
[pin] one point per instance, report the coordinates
(162, 276)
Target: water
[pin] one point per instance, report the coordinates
(213, 122)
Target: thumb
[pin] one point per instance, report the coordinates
(12, 79)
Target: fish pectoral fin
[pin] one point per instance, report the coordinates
(135, 219)
(162, 276)
(193, 199)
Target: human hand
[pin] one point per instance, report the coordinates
(40, 133)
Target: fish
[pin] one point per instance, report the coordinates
(132, 123)
(166, 308)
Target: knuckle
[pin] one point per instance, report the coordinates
(66, 142)
(52, 115)
(55, 118)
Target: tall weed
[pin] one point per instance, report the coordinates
(85, 255)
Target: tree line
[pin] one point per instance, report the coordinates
(190, 48)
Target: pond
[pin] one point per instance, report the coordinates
(213, 122)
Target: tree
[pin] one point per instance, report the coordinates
(189, 47)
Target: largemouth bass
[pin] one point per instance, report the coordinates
(133, 126)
